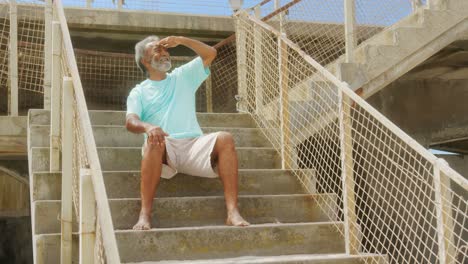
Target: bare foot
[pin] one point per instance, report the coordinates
(144, 222)
(235, 219)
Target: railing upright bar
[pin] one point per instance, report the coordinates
(350, 29)
(88, 3)
(47, 54)
(55, 97)
(87, 218)
(119, 4)
(209, 94)
(258, 63)
(352, 242)
(284, 102)
(67, 172)
(13, 58)
(439, 213)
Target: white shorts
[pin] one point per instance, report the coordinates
(190, 156)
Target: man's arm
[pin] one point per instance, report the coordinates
(206, 52)
(135, 125)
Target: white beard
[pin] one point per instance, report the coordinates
(163, 66)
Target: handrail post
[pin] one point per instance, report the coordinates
(241, 41)
(88, 3)
(47, 53)
(350, 29)
(352, 235)
(55, 97)
(119, 4)
(67, 172)
(87, 218)
(258, 63)
(284, 101)
(13, 58)
(209, 94)
(443, 202)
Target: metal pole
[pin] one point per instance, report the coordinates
(47, 54)
(13, 59)
(258, 63)
(352, 236)
(87, 217)
(67, 173)
(55, 97)
(284, 101)
(350, 29)
(209, 94)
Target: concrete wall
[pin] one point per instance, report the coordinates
(15, 240)
(428, 110)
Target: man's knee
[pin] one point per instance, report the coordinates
(225, 141)
(155, 149)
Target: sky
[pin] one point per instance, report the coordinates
(374, 12)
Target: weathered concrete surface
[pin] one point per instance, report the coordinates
(201, 211)
(15, 240)
(430, 110)
(117, 118)
(12, 137)
(126, 184)
(118, 136)
(287, 259)
(218, 242)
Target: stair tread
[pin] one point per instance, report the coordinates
(266, 259)
(204, 211)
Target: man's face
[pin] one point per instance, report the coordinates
(158, 57)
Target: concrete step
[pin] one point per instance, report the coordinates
(126, 184)
(286, 259)
(226, 242)
(120, 159)
(48, 248)
(118, 136)
(117, 118)
(203, 211)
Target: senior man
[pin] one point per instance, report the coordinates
(163, 107)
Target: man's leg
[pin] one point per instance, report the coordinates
(151, 167)
(225, 154)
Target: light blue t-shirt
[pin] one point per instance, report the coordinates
(170, 103)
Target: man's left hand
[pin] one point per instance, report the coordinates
(169, 42)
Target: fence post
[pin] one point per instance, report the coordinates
(350, 29)
(443, 202)
(209, 94)
(67, 172)
(352, 236)
(242, 97)
(13, 57)
(47, 53)
(284, 101)
(258, 63)
(55, 97)
(87, 218)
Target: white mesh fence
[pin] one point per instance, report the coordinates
(394, 196)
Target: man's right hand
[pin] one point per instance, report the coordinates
(156, 136)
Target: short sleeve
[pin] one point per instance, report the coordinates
(134, 103)
(194, 72)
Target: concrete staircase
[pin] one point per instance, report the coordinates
(288, 225)
(389, 54)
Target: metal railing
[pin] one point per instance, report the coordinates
(393, 196)
(83, 186)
